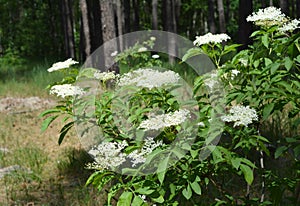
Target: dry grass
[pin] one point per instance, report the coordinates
(52, 174)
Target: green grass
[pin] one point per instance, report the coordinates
(27, 80)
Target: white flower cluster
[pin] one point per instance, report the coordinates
(109, 155)
(148, 78)
(142, 49)
(66, 90)
(62, 65)
(165, 120)
(104, 76)
(240, 115)
(290, 26)
(269, 16)
(210, 38)
(211, 81)
(138, 157)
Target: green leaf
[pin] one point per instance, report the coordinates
(288, 63)
(196, 187)
(64, 131)
(125, 199)
(49, 111)
(274, 67)
(162, 169)
(265, 40)
(268, 110)
(279, 151)
(137, 201)
(187, 192)
(192, 52)
(159, 199)
(144, 190)
(248, 173)
(47, 122)
(236, 162)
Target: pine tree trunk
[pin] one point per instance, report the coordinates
(211, 16)
(127, 15)
(298, 8)
(154, 15)
(95, 24)
(136, 14)
(67, 17)
(120, 23)
(245, 28)
(263, 3)
(222, 21)
(85, 28)
(108, 33)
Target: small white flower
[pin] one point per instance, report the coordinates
(138, 157)
(211, 81)
(235, 72)
(244, 62)
(109, 155)
(210, 38)
(66, 90)
(104, 76)
(290, 26)
(155, 56)
(62, 65)
(165, 120)
(142, 49)
(240, 115)
(201, 124)
(269, 16)
(114, 54)
(153, 38)
(148, 78)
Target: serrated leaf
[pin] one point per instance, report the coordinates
(144, 190)
(159, 199)
(125, 199)
(49, 111)
(47, 122)
(248, 173)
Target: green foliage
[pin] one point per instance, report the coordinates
(264, 77)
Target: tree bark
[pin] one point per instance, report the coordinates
(67, 17)
(108, 33)
(136, 14)
(127, 16)
(222, 22)
(211, 16)
(154, 15)
(245, 28)
(85, 28)
(284, 5)
(120, 23)
(263, 3)
(95, 24)
(298, 8)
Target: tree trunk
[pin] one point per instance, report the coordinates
(284, 5)
(85, 28)
(127, 16)
(154, 15)
(263, 3)
(298, 8)
(95, 24)
(108, 33)
(120, 23)
(67, 17)
(245, 28)
(211, 16)
(136, 14)
(222, 21)
(271, 3)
